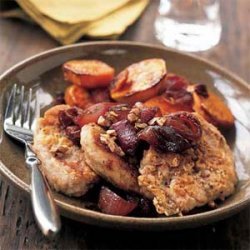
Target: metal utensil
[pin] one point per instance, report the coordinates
(19, 121)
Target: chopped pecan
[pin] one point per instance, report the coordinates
(134, 114)
(108, 139)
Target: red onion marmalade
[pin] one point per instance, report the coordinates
(111, 203)
(147, 114)
(126, 136)
(185, 124)
(164, 138)
(67, 120)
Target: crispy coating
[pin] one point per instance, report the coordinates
(178, 183)
(108, 165)
(63, 163)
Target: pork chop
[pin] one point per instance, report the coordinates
(105, 163)
(179, 182)
(62, 162)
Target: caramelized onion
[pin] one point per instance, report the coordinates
(93, 112)
(148, 113)
(201, 90)
(180, 97)
(176, 92)
(164, 138)
(185, 124)
(121, 111)
(73, 133)
(111, 203)
(175, 82)
(67, 117)
(126, 135)
(100, 95)
(67, 120)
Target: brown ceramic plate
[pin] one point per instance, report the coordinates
(44, 73)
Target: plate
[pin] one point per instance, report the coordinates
(44, 73)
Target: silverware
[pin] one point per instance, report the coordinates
(19, 123)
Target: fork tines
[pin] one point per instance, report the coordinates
(22, 108)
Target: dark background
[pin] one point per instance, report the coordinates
(19, 40)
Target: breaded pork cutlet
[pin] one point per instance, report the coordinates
(105, 163)
(62, 162)
(179, 182)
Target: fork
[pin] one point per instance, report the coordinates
(19, 123)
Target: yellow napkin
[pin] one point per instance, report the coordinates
(75, 11)
(69, 20)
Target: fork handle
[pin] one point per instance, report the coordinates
(44, 207)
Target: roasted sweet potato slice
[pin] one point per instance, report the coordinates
(139, 81)
(213, 109)
(88, 73)
(165, 106)
(77, 96)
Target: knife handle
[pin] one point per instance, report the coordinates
(44, 207)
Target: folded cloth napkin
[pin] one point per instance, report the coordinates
(67, 21)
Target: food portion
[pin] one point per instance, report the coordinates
(211, 107)
(62, 162)
(89, 74)
(139, 81)
(145, 139)
(175, 96)
(77, 96)
(92, 113)
(105, 157)
(199, 175)
(112, 203)
(180, 95)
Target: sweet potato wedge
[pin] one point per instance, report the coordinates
(77, 96)
(88, 73)
(213, 109)
(165, 106)
(139, 81)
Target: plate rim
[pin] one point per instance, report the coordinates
(129, 222)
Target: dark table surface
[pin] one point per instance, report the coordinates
(19, 40)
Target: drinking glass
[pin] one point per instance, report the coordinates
(189, 25)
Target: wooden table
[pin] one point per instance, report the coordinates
(19, 40)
